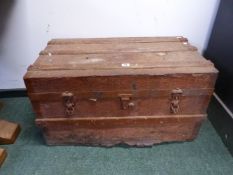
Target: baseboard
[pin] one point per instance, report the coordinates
(221, 118)
(7, 93)
(223, 105)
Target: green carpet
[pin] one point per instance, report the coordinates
(30, 156)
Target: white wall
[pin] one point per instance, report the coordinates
(31, 23)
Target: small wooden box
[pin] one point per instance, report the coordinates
(108, 91)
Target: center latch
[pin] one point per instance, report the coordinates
(126, 101)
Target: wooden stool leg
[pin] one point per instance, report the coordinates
(8, 132)
(3, 155)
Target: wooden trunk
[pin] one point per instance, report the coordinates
(107, 91)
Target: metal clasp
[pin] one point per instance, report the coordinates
(126, 101)
(69, 102)
(175, 100)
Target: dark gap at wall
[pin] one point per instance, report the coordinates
(222, 122)
(5, 93)
(220, 52)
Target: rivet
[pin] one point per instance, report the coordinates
(161, 53)
(125, 64)
(93, 99)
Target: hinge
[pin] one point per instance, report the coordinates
(175, 100)
(69, 102)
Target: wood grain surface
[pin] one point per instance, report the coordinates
(118, 40)
(3, 156)
(8, 132)
(134, 131)
(73, 49)
(97, 76)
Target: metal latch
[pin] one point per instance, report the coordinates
(175, 100)
(69, 102)
(126, 101)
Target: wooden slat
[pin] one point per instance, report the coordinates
(105, 121)
(112, 107)
(119, 61)
(73, 49)
(136, 130)
(119, 72)
(117, 40)
(36, 83)
(79, 95)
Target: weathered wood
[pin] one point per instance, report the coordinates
(40, 81)
(117, 61)
(163, 93)
(3, 155)
(8, 132)
(95, 106)
(107, 91)
(117, 40)
(73, 49)
(134, 131)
